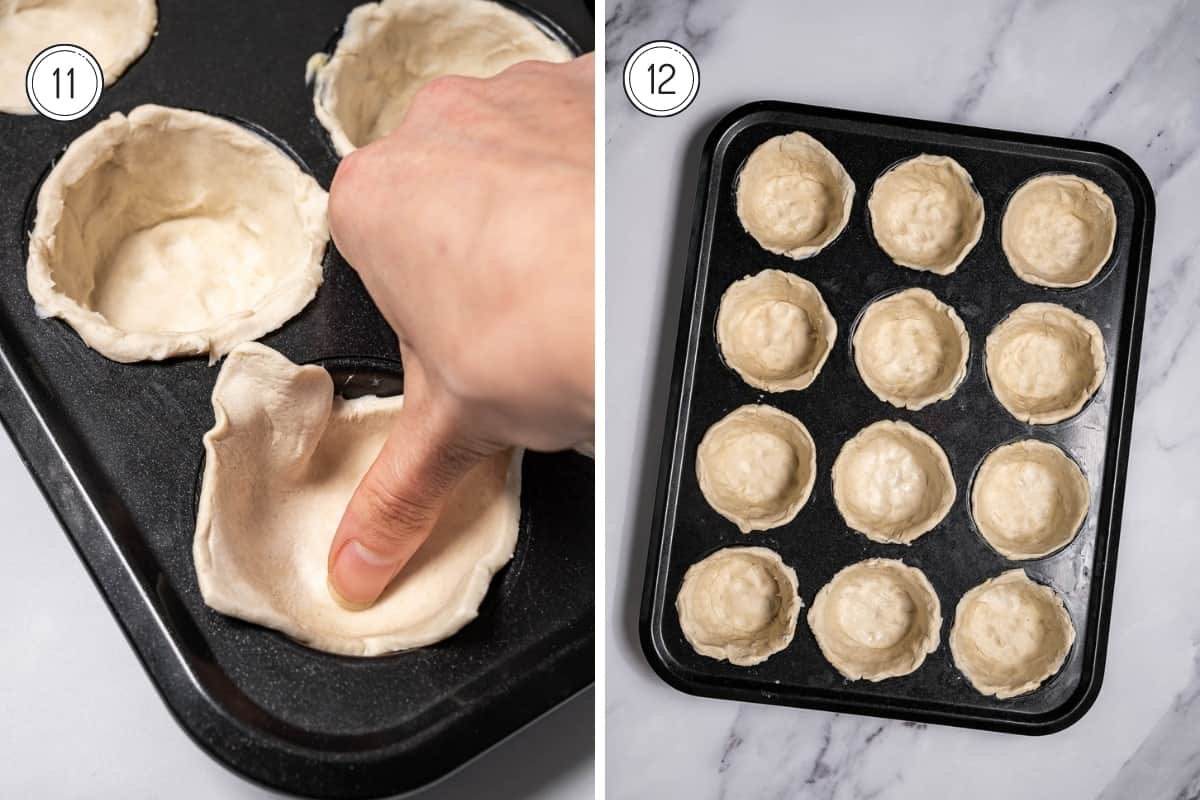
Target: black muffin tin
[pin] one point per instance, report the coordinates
(851, 273)
(116, 448)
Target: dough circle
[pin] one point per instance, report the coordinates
(389, 50)
(793, 195)
(926, 213)
(1029, 499)
(115, 32)
(756, 467)
(169, 232)
(739, 604)
(775, 330)
(1010, 634)
(892, 482)
(876, 619)
(281, 463)
(911, 349)
(1045, 362)
(1058, 230)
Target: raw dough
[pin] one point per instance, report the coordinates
(775, 330)
(756, 467)
(793, 195)
(876, 619)
(740, 604)
(1029, 499)
(892, 482)
(1044, 362)
(911, 349)
(116, 32)
(281, 463)
(391, 49)
(171, 232)
(1010, 634)
(926, 213)
(1058, 230)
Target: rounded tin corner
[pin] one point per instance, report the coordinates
(1140, 180)
(654, 651)
(1070, 712)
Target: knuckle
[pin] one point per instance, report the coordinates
(531, 67)
(477, 375)
(441, 91)
(345, 188)
(522, 67)
(400, 515)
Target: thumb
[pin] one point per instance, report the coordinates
(398, 502)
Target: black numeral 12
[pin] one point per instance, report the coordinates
(661, 88)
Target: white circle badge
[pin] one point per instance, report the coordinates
(64, 82)
(661, 78)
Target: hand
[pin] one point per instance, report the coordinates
(471, 225)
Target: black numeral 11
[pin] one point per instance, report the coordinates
(58, 82)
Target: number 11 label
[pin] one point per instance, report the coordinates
(64, 82)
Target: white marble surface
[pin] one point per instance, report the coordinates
(1119, 72)
(79, 717)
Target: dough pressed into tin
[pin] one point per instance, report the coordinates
(1029, 499)
(756, 467)
(926, 213)
(1058, 230)
(169, 232)
(911, 349)
(1010, 634)
(892, 482)
(775, 330)
(1045, 362)
(389, 50)
(876, 619)
(281, 463)
(115, 32)
(739, 604)
(793, 195)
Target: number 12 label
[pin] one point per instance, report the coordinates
(661, 78)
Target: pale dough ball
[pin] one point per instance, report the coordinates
(775, 330)
(793, 195)
(926, 213)
(876, 619)
(756, 467)
(892, 483)
(911, 349)
(389, 50)
(170, 232)
(1010, 634)
(1058, 230)
(1029, 499)
(1045, 362)
(115, 32)
(739, 604)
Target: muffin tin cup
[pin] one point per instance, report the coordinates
(562, 21)
(850, 273)
(116, 449)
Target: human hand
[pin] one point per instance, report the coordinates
(471, 225)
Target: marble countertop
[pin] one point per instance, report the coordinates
(1122, 73)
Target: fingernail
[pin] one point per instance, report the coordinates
(359, 576)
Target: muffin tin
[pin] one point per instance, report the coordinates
(116, 449)
(852, 272)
